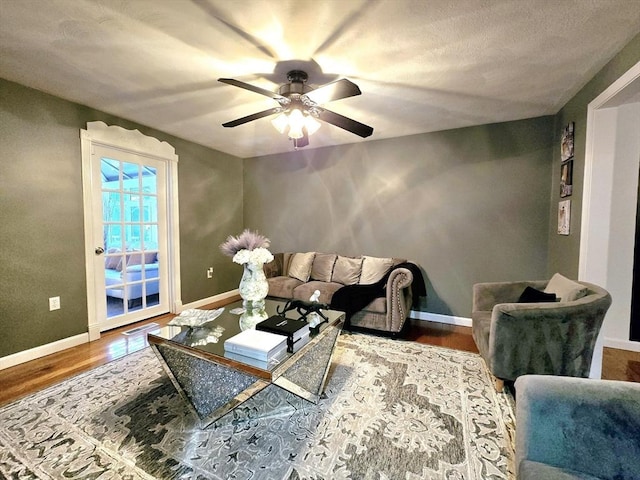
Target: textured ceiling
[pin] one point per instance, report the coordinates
(422, 65)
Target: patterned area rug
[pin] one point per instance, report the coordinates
(391, 410)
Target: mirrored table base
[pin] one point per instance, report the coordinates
(212, 389)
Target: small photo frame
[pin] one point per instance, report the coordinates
(564, 217)
(566, 145)
(566, 179)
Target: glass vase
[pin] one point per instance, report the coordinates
(253, 289)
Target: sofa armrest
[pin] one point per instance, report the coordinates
(399, 298)
(550, 338)
(592, 426)
(487, 295)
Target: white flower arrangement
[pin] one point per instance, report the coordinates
(248, 247)
(258, 256)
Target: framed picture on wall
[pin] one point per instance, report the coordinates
(566, 144)
(564, 217)
(566, 178)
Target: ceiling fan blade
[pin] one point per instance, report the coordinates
(250, 118)
(346, 123)
(253, 88)
(342, 88)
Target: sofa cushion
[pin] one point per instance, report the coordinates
(347, 270)
(282, 286)
(322, 267)
(137, 257)
(327, 289)
(373, 269)
(566, 290)
(300, 266)
(111, 263)
(531, 295)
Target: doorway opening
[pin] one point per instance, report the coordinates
(609, 206)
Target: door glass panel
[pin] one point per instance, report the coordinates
(113, 238)
(130, 177)
(150, 239)
(111, 205)
(149, 208)
(130, 216)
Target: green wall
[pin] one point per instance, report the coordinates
(468, 205)
(42, 235)
(564, 251)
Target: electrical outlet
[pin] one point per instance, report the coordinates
(54, 303)
(210, 272)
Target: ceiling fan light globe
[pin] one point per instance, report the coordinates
(312, 124)
(281, 122)
(296, 123)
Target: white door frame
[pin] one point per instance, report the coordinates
(606, 254)
(99, 133)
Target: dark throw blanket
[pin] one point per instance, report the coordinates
(353, 298)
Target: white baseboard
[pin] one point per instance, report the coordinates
(437, 317)
(43, 350)
(209, 300)
(622, 344)
(94, 331)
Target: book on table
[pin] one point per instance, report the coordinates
(290, 327)
(293, 347)
(256, 344)
(294, 329)
(275, 359)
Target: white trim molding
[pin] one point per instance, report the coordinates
(209, 300)
(43, 350)
(439, 318)
(621, 344)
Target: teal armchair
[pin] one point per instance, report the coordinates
(577, 428)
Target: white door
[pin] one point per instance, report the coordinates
(130, 195)
(130, 238)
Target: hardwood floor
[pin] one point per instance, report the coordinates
(30, 377)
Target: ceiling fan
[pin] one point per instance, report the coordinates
(300, 107)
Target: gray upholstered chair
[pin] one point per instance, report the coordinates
(555, 338)
(577, 428)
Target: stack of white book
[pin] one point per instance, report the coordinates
(256, 347)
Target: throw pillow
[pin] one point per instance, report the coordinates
(531, 295)
(111, 263)
(347, 270)
(150, 257)
(274, 267)
(322, 268)
(374, 268)
(566, 290)
(134, 258)
(300, 266)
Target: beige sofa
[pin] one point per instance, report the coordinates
(297, 275)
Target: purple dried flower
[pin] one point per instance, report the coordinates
(247, 240)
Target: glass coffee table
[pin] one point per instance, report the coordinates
(214, 382)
